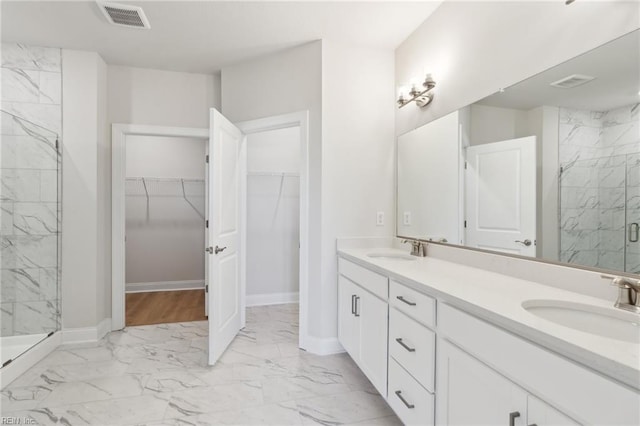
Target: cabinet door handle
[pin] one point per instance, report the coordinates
(402, 299)
(353, 304)
(357, 310)
(404, 345)
(533, 424)
(512, 417)
(404, 401)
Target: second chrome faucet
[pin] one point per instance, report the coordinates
(418, 248)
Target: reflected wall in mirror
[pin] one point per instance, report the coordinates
(549, 167)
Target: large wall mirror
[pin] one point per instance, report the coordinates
(548, 168)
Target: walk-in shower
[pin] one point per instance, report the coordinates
(30, 230)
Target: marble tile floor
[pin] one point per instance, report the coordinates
(158, 375)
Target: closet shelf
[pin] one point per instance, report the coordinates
(166, 187)
(275, 174)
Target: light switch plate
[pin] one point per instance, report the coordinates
(406, 219)
(380, 219)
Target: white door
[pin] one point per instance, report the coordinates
(347, 320)
(206, 230)
(470, 393)
(373, 325)
(227, 164)
(500, 196)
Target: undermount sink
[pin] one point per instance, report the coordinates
(391, 256)
(608, 322)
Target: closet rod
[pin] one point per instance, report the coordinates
(278, 174)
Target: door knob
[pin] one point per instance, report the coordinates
(209, 249)
(219, 249)
(526, 242)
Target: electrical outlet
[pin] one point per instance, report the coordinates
(406, 221)
(380, 219)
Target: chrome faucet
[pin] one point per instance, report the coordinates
(628, 293)
(418, 248)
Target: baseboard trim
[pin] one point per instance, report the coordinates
(28, 359)
(272, 299)
(322, 346)
(164, 286)
(86, 334)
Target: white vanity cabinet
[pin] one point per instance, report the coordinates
(363, 320)
(448, 366)
(485, 375)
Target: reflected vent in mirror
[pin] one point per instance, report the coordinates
(572, 81)
(124, 15)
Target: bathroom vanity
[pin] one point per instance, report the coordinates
(450, 344)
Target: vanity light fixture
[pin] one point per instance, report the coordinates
(421, 95)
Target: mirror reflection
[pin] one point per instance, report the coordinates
(549, 167)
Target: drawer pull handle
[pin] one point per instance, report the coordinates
(512, 417)
(353, 303)
(402, 299)
(404, 345)
(533, 424)
(404, 401)
(357, 307)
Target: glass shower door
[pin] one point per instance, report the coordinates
(29, 234)
(632, 244)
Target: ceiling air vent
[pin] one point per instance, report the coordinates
(572, 81)
(124, 15)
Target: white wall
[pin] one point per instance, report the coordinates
(165, 238)
(273, 216)
(282, 83)
(358, 160)
(85, 225)
(475, 48)
(349, 93)
(163, 98)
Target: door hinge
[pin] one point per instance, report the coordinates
(206, 158)
(206, 288)
(465, 223)
(465, 165)
(206, 223)
(57, 144)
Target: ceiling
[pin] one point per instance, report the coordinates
(615, 66)
(204, 36)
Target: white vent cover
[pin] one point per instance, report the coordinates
(124, 15)
(574, 80)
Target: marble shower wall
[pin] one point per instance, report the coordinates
(29, 194)
(599, 187)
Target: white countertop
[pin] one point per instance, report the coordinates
(498, 299)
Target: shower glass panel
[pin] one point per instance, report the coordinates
(600, 212)
(30, 229)
(632, 252)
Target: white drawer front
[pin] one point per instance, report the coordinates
(418, 405)
(413, 346)
(418, 306)
(369, 280)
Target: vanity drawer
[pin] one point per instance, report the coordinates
(410, 401)
(418, 306)
(371, 281)
(413, 346)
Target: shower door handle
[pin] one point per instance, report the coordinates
(634, 231)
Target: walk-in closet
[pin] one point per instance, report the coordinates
(165, 208)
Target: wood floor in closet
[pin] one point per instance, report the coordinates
(160, 307)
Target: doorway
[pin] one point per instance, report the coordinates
(158, 224)
(165, 229)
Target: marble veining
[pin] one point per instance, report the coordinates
(158, 375)
(599, 187)
(31, 122)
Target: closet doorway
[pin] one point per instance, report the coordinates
(159, 208)
(277, 204)
(165, 227)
